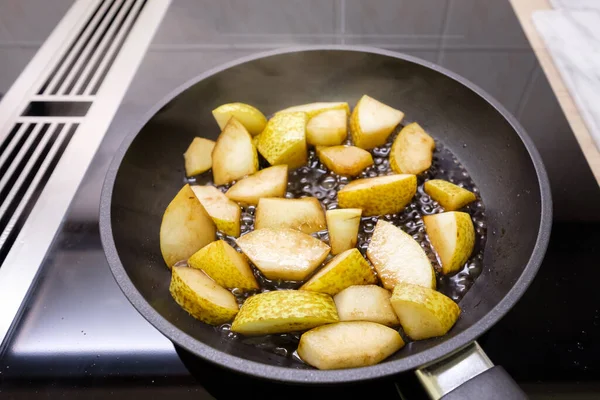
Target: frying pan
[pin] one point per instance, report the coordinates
(147, 172)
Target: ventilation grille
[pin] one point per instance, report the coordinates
(82, 68)
(52, 121)
(37, 139)
(27, 158)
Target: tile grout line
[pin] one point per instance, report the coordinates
(20, 44)
(443, 30)
(343, 20)
(265, 46)
(533, 76)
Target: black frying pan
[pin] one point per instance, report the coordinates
(148, 168)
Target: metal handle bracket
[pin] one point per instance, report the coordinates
(442, 376)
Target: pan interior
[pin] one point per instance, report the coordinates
(151, 172)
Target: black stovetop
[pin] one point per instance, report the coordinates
(80, 338)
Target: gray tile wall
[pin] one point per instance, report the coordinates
(430, 29)
(486, 50)
(30, 21)
(492, 70)
(12, 61)
(395, 24)
(210, 24)
(491, 24)
(24, 25)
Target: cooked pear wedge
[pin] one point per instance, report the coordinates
(305, 215)
(348, 345)
(268, 182)
(234, 155)
(314, 109)
(343, 225)
(329, 128)
(453, 236)
(255, 140)
(346, 269)
(186, 227)
(285, 254)
(412, 150)
(252, 119)
(450, 196)
(224, 265)
(284, 140)
(398, 257)
(201, 297)
(318, 149)
(423, 313)
(366, 303)
(378, 196)
(224, 212)
(284, 311)
(372, 122)
(198, 156)
(345, 160)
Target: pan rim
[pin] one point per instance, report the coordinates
(308, 376)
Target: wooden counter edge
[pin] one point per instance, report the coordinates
(524, 10)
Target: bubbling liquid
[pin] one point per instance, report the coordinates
(315, 180)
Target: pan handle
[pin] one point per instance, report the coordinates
(468, 374)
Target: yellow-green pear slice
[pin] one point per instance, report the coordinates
(198, 156)
(423, 313)
(343, 225)
(224, 265)
(366, 303)
(252, 119)
(305, 215)
(412, 150)
(234, 155)
(372, 122)
(452, 235)
(348, 345)
(346, 269)
(450, 196)
(224, 212)
(397, 257)
(345, 160)
(378, 196)
(284, 311)
(186, 227)
(201, 297)
(314, 109)
(284, 140)
(329, 128)
(268, 182)
(286, 254)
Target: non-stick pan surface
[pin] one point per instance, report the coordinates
(147, 172)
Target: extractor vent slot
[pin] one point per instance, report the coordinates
(23, 180)
(4, 144)
(57, 109)
(87, 61)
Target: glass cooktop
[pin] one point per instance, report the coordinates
(80, 338)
